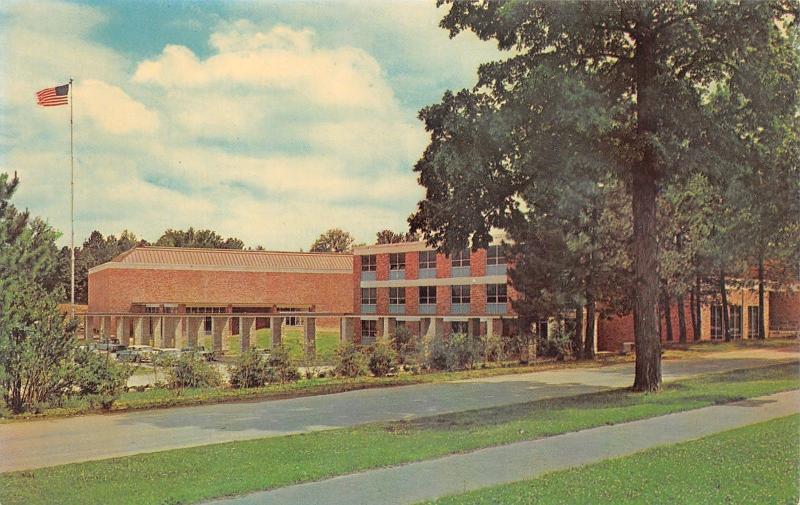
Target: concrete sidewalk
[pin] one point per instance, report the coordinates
(26, 445)
(455, 474)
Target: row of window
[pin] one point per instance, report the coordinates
(734, 321)
(427, 259)
(495, 293)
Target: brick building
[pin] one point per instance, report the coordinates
(171, 296)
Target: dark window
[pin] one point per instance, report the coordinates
(461, 258)
(152, 309)
(735, 320)
(752, 321)
(460, 294)
(541, 328)
(716, 321)
(369, 263)
(205, 310)
(459, 327)
(397, 296)
(397, 261)
(207, 325)
(369, 296)
(427, 294)
(495, 256)
(427, 259)
(496, 293)
(368, 330)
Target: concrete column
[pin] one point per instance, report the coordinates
(247, 325)
(275, 324)
(138, 330)
(123, 330)
(104, 327)
(474, 327)
(435, 327)
(389, 325)
(179, 332)
(147, 331)
(193, 327)
(346, 330)
(218, 328)
(88, 327)
(490, 327)
(158, 331)
(310, 337)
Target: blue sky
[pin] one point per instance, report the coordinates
(269, 121)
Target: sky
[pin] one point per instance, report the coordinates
(266, 121)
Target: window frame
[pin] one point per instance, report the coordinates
(370, 265)
(427, 263)
(460, 298)
(495, 256)
(500, 294)
(427, 297)
(372, 294)
(461, 258)
(397, 261)
(397, 296)
(370, 329)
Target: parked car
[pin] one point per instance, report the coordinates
(137, 354)
(170, 352)
(111, 345)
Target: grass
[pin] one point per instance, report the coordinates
(198, 473)
(759, 463)
(292, 338)
(696, 349)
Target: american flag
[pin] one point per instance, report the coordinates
(51, 97)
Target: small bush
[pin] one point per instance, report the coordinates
(404, 344)
(192, 371)
(281, 364)
(350, 361)
(100, 379)
(493, 348)
(255, 370)
(462, 351)
(382, 359)
(556, 346)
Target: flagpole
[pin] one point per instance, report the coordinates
(71, 203)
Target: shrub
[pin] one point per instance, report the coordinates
(281, 364)
(435, 354)
(350, 361)
(556, 346)
(462, 351)
(382, 359)
(99, 379)
(493, 348)
(404, 344)
(192, 371)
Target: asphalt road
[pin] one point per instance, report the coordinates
(34, 444)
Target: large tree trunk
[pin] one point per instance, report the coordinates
(667, 312)
(723, 293)
(692, 313)
(761, 330)
(578, 336)
(698, 327)
(588, 341)
(645, 245)
(681, 318)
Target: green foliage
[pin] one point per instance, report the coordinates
(556, 346)
(207, 239)
(100, 378)
(382, 359)
(192, 371)
(405, 344)
(250, 371)
(333, 240)
(281, 363)
(350, 361)
(390, 237)
(458, 351)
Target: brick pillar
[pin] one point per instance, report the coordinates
(123, 330)
(247, 325)
(310, 337)
(474, 327)
(193, 326)
(346, 330)
(275, 323)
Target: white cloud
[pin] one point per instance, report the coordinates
(112, 109)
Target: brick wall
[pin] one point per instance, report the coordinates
(785, 310)
(477, 299)
(412, 265)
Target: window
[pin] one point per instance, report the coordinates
(460, 294)
(427, 259)
(461, 258)
(397, 296)
(152, 309)
(540, 328)
(369, 296)
(496, 293)
(495, 256)
(369, 263)
(207, 325)
(397, 261)
(716, 321)
(368, 331)
(735, 320)
(752, 321)
(459, 327)
(205, 310)
(427, 294)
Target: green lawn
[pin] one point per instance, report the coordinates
(327, 343)
(191, 475)
(754, 464)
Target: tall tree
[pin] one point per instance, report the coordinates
(333, 240)
(648, 64)
(390, 237)
(206, 239)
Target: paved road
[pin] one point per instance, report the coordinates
(25, 445)
(412, 483)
